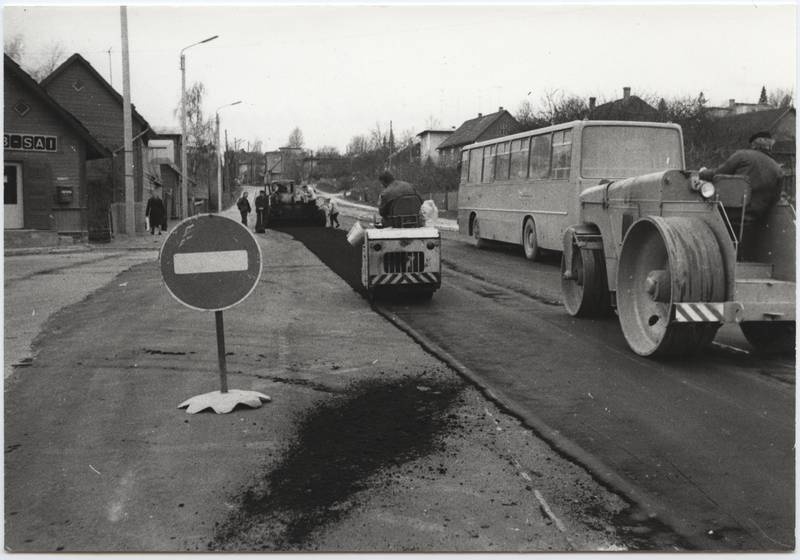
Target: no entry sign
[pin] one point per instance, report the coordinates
(210, 263)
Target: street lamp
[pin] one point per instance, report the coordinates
(184, 182)
(220, 158)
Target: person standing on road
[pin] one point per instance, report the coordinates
(261, 203)
(244, 207)
(333, 212)
(155, 213)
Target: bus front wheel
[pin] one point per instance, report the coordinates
(529, 241)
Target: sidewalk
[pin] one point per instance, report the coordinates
(120, 242)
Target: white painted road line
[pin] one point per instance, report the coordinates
(211, 261)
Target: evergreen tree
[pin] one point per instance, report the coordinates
(763, 97)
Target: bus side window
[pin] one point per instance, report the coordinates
(540, 157)
(503, 159)
(489, 155)
(464, 166)
(519, 158)
(562, 153)
(475, 165)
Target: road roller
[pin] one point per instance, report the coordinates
(671, 254)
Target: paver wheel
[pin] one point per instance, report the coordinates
(770, 337)
(584, 285)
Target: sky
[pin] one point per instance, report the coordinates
(336, 71)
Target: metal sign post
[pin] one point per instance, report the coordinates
(212, 263)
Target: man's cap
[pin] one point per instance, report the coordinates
(762, 134)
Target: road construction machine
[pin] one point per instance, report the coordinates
(671, 253)
(290, 205)
(400, 255)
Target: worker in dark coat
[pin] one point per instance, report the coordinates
(244, 207)
(392, 190)
(764, 173)
(155, 213)
(261, 202)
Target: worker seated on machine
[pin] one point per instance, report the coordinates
(399, 204)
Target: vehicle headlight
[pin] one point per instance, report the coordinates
(377, 247)
(707, 190)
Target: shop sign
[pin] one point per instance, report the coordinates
(30, 142)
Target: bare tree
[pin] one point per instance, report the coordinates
(296, 138)
(359, 144)
(328, 152)
(780, 97)
(376, 137)
(54, 54)
(14, 47)
(432, 122)
(257, 145)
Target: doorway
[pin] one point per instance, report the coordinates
(12, 196)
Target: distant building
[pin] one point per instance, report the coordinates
(429, 141)
(45, 155)
(164, 170)
(283, 163)
(482, 127)
(79, 88)
(627, 108)
(735, 108)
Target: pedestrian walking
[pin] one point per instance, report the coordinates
(155, 213)
(333, 212)
(244, 207)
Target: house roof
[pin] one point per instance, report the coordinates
(78, 59)
(632, 105)
(472, 129)
(94, 149)
(735, 131)
(434, 130)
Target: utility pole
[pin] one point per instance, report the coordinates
(110, 76)
(130, 214)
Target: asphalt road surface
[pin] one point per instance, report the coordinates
(706, 446)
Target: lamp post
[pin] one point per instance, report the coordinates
(184, 182)
(220, 158)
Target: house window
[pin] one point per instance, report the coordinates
(540, 157)
(77, 85)
(519, 158)
(503, 157)
(21, 108)
(562, 153)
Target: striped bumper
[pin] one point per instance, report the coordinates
(405, 278)
(700, 312)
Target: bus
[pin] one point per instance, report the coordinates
(524, 188)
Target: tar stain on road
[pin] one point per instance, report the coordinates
(339, 445)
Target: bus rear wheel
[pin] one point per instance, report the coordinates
(529, 241)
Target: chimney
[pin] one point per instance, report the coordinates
(480, 115)
(731, 103)
(592, 102)
(500, 108)
(626, 93)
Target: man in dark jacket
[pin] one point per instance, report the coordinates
(764, 173)
(261, 203)
(392, 190)
(155, 213)
(244, 207)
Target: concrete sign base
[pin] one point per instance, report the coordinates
(222, 403)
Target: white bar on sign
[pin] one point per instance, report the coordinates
(212, 261)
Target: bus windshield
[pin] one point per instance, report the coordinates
(617, 152)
